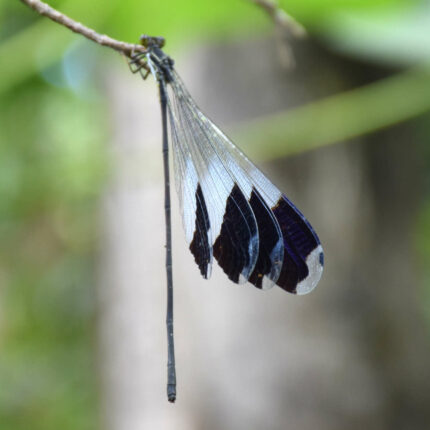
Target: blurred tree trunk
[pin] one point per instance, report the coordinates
(352, 354)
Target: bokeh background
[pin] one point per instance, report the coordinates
(340, 121)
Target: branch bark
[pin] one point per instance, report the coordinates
(281, 18)
(285, 25)
(102, 39)
(278, 15)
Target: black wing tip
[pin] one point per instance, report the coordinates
(247, 238)
(200, 246)
(236, 247)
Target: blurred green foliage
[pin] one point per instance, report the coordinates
(53, 165)
(342, 116)
(51, 170)
(315, 12)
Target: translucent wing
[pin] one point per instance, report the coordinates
(232, 211)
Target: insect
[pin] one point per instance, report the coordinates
(231, 212)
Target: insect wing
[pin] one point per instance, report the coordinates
(232, 211)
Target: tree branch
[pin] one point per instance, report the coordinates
(285, 25)
(280, 17)
(44, 9)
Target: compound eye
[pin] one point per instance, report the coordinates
(148, 41)
(161, 41)
(145, 40)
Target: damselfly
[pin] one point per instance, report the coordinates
(230, 210)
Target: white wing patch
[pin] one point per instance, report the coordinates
(315, 271)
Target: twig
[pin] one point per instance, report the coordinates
(43, 9)
(284, 25)
(280, 17)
